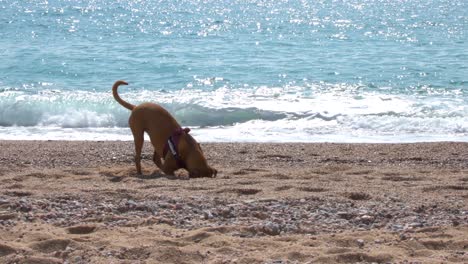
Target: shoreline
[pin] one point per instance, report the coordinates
(223, 135)
(320, 202)
(203, 137)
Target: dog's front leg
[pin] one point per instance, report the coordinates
(157, 160)
(169, 166)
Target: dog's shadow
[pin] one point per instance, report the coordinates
(155, 175)
(118, 175)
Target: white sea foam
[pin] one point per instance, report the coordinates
(335, 113)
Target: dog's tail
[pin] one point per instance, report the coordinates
(117, 97)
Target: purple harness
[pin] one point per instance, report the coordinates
(171, 145)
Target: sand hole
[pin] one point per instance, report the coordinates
(246, 171)
(435, 244)
(335, 178)
(429, 229)
(338, 250)
(18, 193)
(457, 187)
(15, 186)
(312, 189)
(6, 250)
(297, 256)
(283, 188)
(81, 229)
(391, 173)
(196, 188)
(275, 156)
(360, 172)
(19, 178)
(320, 172)
(137, 253)
(41, 260)
(396, 178)
(362, 257)
(51, 245)
(247, 191)
(116, 178)
(357, 196)
(248, 182)
(39, 175)
(278, 176)
(198, 237)
(446, 187)
(153, 186)
(244, 191)
(79, 172)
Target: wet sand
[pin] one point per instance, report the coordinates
(82, 202)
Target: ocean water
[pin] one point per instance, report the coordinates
(237, 70)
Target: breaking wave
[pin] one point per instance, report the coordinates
(289, 113)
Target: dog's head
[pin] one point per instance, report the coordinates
(194, 159)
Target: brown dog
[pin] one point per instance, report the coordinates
(170, 141)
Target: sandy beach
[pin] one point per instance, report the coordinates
(82, 202)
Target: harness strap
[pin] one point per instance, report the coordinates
(172, 143)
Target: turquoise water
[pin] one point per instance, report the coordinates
(340, 71)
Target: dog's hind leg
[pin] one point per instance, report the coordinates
(138, 137)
